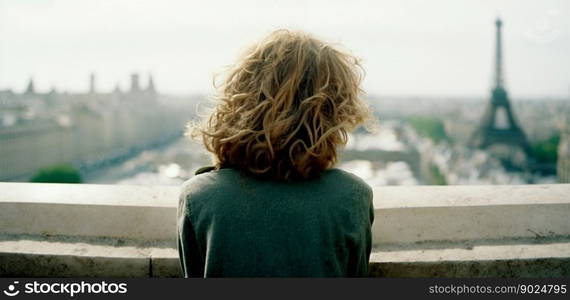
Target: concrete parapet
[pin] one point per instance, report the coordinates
(61, 230)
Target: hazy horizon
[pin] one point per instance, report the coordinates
(410, 48)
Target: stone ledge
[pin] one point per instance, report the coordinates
(542, 257)
(402, 214)
(558, 247)
(53, 257)
(20, 264)
(509, 268)
(62, 230)
(60, 256)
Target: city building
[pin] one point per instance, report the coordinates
(43, 129)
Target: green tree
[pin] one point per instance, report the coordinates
(546, 151)
(62, 173)
(429, 127)
(436, 176)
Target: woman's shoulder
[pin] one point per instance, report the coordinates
(346, 179)
(209, 178)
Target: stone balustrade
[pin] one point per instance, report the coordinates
(419, 231)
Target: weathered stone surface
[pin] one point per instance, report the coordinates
(460, 213)
(19, 264)
(514, 268)
(166, 267)
(48, 257)
(61, 256)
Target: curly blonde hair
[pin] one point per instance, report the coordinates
(284, 107)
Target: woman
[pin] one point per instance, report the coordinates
(273, 205)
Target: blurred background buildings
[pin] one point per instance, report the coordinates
(87, 130)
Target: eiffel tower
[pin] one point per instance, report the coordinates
(489, 132)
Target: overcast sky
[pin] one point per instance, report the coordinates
(436, 47)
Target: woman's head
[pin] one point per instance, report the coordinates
(285, 107)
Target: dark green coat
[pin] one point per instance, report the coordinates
(233, 225)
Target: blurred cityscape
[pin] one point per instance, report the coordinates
(89, 132)
(135, 136)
